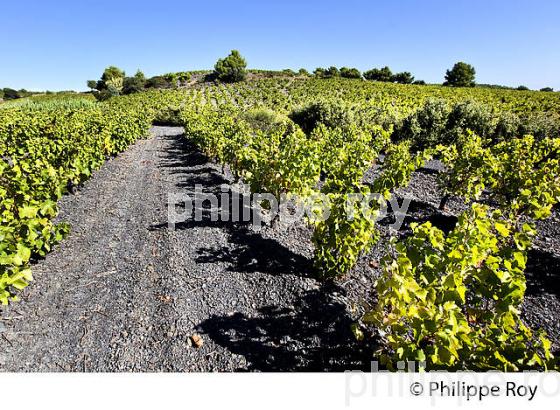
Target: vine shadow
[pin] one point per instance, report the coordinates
(313, 336)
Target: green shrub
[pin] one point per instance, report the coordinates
(134, 84)
(158, 82)
(264, 119)
(111, 83)
(508, 125)
(469, 115)
(379, 74)
(425, 127)
(346, 72)
(540, 125)
(403, 78)
(10, 94)
(331, 114)
(330, 72)
(461, 75)
(231, 69)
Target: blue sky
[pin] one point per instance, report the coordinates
(61, 44)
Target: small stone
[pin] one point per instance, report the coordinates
(197, 340)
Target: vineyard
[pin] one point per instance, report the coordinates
(448, 288)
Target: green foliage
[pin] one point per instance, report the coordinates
(263, 119)
(158, 82)
(331, 72)
(110, 85)
(379, 74)
(346, 72)
(403, 78)
(438, 123)
(522, 88)
(330, 114)
(10, 94)
(350, 229)
(427, 126)
(134, 84)
(547, 89)
(232, 68)
(469, 115)
(461, 75)
(44, 150)
(92, 84)
(453, 301)
(521, 174)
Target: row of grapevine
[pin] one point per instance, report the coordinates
(451, 300)
(44, 151)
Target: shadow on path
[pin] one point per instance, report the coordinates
(313, 336)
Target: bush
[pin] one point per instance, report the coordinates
(134, 84)
(183, 77)
(289, 72)
(158, 81)
(231, 69)
(461, 75)
(522, 88)
(319, 72)
(112, 77)
(303, 72)
(330, 72)
(92, 84)
(540, 125)
(10, 94)
(175, 80)
(264, 119)
(379, 74)
(350, 72)
(425, 127)
(547, 89)
(111, 83)
(419, 82)
(508, 125)
(437, 123)
(403, 78)
(469, 115)
(328, 113)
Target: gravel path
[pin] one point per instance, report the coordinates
(125, 293)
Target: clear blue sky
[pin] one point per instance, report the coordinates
(61, 44)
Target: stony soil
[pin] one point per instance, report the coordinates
(125, 293)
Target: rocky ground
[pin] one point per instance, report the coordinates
(125, 293)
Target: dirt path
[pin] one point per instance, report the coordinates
(123, 292)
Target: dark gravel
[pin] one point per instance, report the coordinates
(125, 293)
